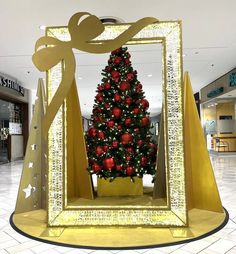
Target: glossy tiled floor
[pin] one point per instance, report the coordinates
(223, 241)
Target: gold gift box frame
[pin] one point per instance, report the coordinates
(175, 213)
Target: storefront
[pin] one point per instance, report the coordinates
(218, 104)
(14, 120)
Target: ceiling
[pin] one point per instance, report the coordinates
(209, 40)
(229, 95)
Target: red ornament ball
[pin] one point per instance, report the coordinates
(124, 86)
(138, 88)
(95, 110)
(117, 60)
(108, 69)
(127, 61)
(126, 138)
(105, 148)
(128, 158)
(144, 103)
(136, 130)
(107, 105)
(115, 75)
(107, 85)
(92, 132)
(116, 112)
(130, 76)
(136, 111)
(153, 148)
(140, 142)
(145, 121)
(119, 127)
(128, 121)
(143, 161)
(110, 124)
(152, 145)
(139, 85)
(108, 163)
(118, 167)
(116, 51)
(129, 170)
(115, 144)
(99, 150)
(130, 149)
(96, 168)
(128, 100)
(100, 88)
(101, 135)
(117, 97)
(100, 119)
(99, 97)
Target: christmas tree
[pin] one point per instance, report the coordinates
(118, 143)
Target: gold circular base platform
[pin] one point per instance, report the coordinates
(201, 224)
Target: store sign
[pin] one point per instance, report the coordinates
(9, 83)
(215, 92)
(232, 79)
(15, 128)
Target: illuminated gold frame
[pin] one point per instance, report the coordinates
(175, 213)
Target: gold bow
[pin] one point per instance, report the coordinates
(81, 36)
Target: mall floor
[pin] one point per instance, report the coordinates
(224, 241)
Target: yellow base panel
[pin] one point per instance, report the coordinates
(33, 224)
(116, 201)
(120, 186)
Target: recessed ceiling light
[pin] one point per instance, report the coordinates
(212, 65)
(42, 27)
(196, 53)
(149, 75)
(184, 55)
(80, 78)
(229, 95)
(111, 20)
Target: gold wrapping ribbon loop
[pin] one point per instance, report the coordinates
(87, 30)
(81, 36)
(46, 58)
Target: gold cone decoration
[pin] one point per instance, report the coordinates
(32, 189)
(202, 192)
(79, 183)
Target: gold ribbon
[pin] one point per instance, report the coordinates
(62, 51)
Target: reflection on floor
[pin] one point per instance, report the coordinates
(223, 241)
(3, 156)
(144, 200)
(221, 154)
